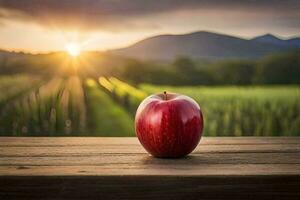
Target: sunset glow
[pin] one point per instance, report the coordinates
(45, 25)
(73, 49)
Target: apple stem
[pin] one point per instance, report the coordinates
(165, 93)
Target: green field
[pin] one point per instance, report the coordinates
(244, 111)
(72, 106)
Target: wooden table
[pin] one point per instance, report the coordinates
(119, 168)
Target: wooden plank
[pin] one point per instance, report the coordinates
(153, 170)
(89, 141)
(130, 155)
(138, 149)
(151, 187)
(142, 160)
(119, 168)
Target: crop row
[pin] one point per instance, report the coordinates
(13, 86)
(106, 118)
(59, 107)
(55, 108)
(125, 94)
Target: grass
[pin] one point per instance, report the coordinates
(106, 118)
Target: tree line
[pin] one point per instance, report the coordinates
(283, 68)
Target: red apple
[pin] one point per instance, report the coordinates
(169, 125)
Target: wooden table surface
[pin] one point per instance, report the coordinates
(119, 168)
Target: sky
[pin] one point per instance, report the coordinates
(48, 25)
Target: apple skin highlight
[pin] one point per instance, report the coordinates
(169, 125)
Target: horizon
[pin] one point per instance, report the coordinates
(48, 26)
(107, 50)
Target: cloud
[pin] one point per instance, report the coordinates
(124, 15)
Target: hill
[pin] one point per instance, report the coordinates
(202, 45)
(271, 39)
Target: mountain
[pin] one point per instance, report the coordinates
(271, 39)
(202, 45)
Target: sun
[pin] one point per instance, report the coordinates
(73, 49)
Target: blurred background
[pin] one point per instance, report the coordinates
(81, 68)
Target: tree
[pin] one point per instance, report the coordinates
(239, 72)
(279, 69)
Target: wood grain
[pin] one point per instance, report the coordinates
(119, 168)
(127, 141)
